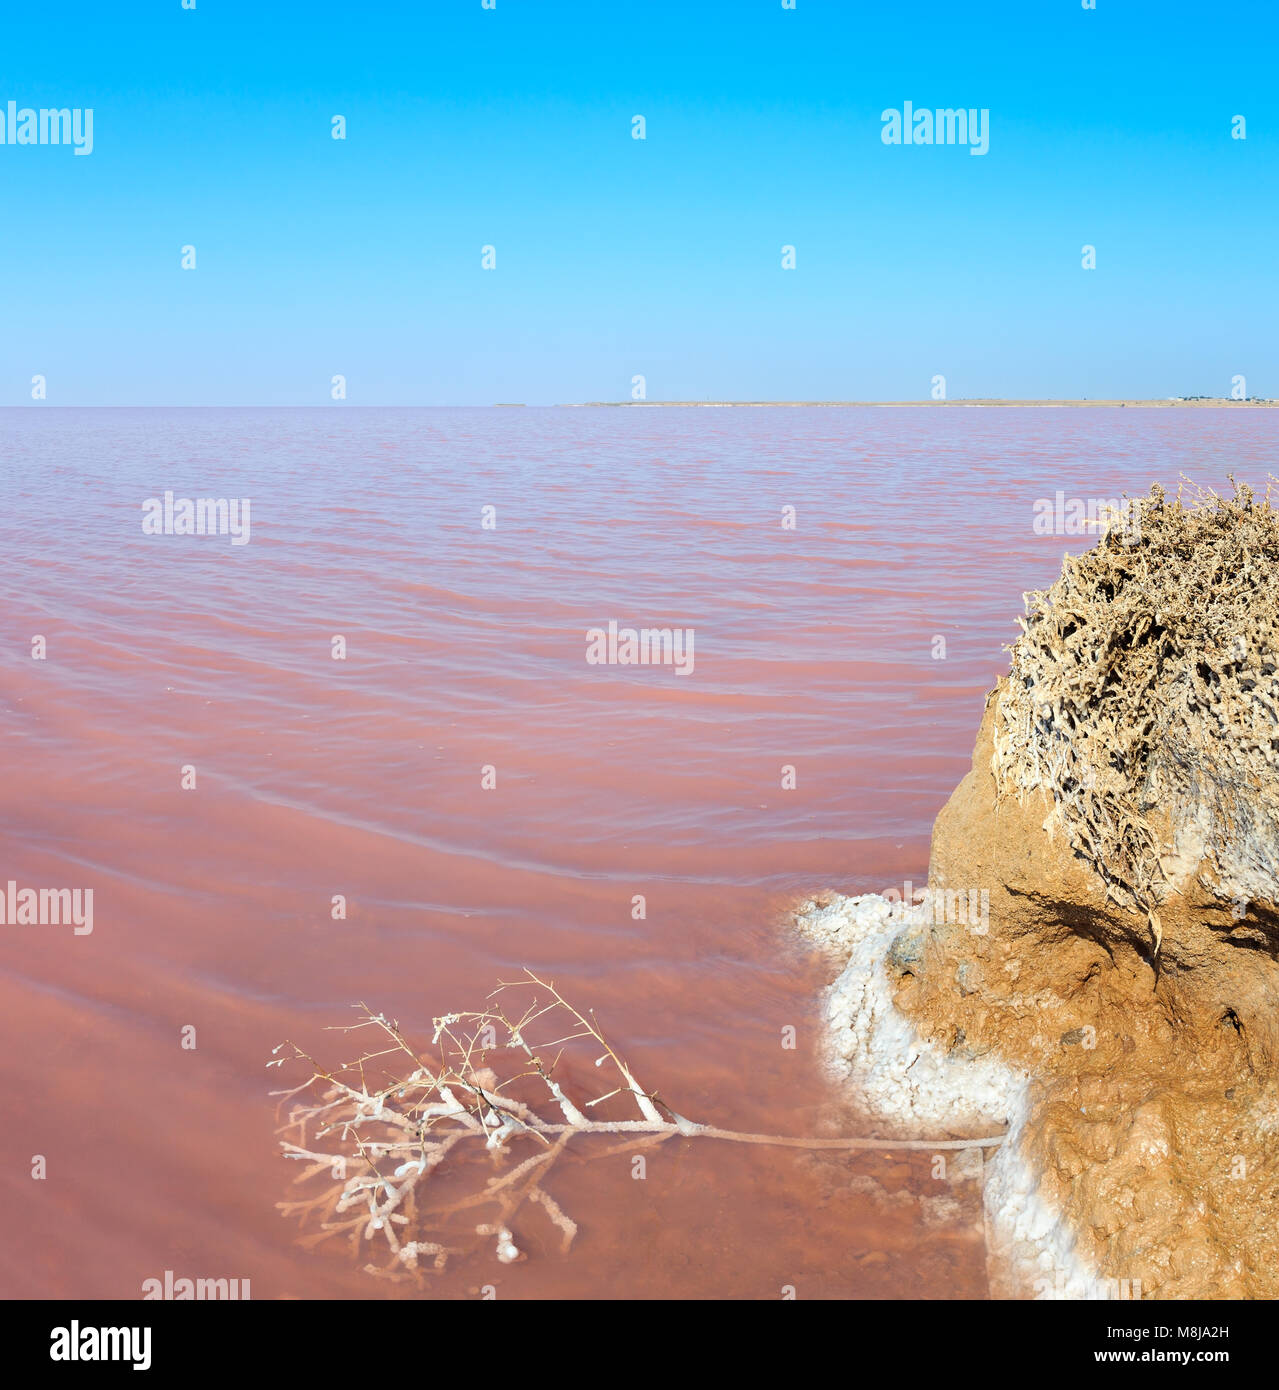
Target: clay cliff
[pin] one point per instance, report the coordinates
(1120, 819)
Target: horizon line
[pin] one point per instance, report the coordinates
(1160, 403)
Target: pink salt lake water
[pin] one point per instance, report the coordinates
(467, 647)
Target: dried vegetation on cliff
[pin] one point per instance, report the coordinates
(1144, 697)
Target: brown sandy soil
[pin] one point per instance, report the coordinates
(1153, 1103)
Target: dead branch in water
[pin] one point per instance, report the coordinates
(401, 1152)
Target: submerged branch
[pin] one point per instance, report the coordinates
(387, 1143)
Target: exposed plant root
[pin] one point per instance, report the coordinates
(1143, 697)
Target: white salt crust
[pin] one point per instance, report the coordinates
(915, 1090)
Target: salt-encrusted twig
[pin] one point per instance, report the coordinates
(386, 1139)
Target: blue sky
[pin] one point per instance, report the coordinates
(511, 127)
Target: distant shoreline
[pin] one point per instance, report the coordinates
(1199, 402)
